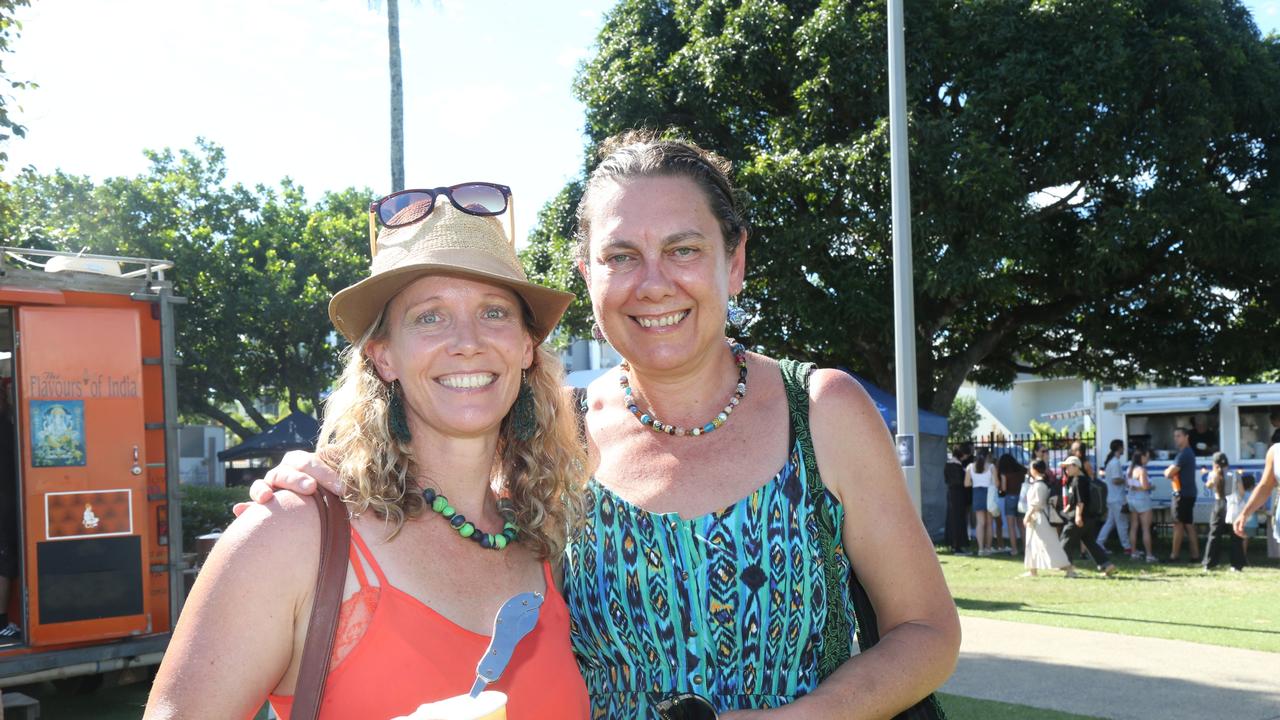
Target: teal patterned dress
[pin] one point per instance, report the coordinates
(729, 605)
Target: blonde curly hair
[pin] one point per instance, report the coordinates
(542, 477)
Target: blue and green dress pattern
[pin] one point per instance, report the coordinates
(729, 605)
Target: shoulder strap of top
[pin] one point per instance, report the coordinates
(836, 647)
(361, 550)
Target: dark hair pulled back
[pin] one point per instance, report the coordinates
(647, 153)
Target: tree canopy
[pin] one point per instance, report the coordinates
(258, 266)
(9, 28)
(1095, 185)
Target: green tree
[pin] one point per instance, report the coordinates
(1095, 185)
(963, 419)
(9, 29)
(258, 266)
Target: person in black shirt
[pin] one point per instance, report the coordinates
(9, 531)
(957, 529)
(1083, 524)
(1275, 425)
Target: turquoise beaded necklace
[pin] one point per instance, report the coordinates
(490, 541)
(650, 419)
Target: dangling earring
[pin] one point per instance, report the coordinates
(397, 421)
(596, 333)
(738, 317)
(523, 420)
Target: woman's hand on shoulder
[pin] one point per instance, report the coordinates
(235, 639)
(298, 471)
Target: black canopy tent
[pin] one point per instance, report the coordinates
(298, 431)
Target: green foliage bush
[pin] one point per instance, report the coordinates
(962, 421)
(205, 509)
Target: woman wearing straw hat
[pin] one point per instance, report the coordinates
(459, 460)
(702, 566)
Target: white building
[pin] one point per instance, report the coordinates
(1063, 402)
(586, 360)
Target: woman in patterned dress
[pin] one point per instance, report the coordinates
(697, 569)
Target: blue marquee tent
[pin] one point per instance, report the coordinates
(886, 402)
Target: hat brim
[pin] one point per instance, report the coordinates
(353, 309)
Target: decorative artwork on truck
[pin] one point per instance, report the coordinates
(57, 433)
(94, 513)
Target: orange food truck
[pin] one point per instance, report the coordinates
(90, 550)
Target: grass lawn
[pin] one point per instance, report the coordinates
(1178, 601)
(963, 708)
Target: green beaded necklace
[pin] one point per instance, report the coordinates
(510, 532)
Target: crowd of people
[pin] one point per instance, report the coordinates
(1058, 509)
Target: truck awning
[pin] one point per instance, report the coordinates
(1068, 414)
(1157, 406)
(1261, 398)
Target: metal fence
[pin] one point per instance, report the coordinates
(1023, 446)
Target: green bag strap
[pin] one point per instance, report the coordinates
(836, 645)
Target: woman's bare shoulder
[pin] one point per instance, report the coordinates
(287, 522)
(837, 399)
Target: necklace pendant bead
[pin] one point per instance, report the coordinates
(467, 530)
(439, 503)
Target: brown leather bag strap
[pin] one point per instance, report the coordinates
(335, 542)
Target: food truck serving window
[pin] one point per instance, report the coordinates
(1150, 423)
(1257, 431)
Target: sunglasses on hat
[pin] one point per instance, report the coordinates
(407, 207)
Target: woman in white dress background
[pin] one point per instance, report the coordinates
(1043, 551)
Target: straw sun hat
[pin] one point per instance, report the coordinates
(448, 242)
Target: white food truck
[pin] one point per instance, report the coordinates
(1232, 418)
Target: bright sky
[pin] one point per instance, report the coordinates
(299, 88)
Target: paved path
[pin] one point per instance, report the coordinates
(1113, 676)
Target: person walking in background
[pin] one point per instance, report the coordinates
(1010, 474)
(1235, 503)
(1219, 530)
(1182, 474)
(1042, 549)
(1138, 486)
(1113, 475)
(1259, 496)
(1083, 520)
(957, 528)
(979, 478)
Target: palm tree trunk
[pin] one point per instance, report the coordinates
(397, 97)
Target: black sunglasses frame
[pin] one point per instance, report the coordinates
(375, 208)
(686, 706)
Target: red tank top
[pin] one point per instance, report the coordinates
(410, 654)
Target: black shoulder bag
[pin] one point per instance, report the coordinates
(836, 647)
